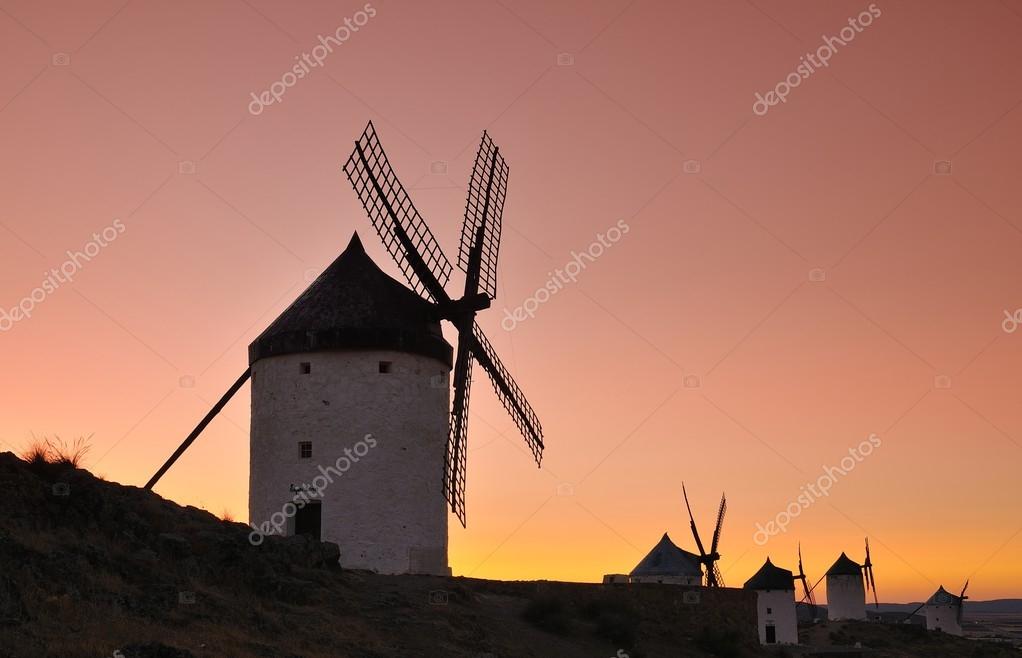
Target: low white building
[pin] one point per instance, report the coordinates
(669, 565)
(775, 608)
(944, 612)
(846, 592)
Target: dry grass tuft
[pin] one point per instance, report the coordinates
(70, 455)
(57, 451)
(37, 453)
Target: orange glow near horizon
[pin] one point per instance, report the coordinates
(788, 285)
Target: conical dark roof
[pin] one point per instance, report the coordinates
(944, 597)
(845, 567)
(354, 305)
(771, 577)
(666, 559)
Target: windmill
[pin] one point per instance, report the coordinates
(708, 560)
(776, 610)
(867, 574)
(807, 591)
(423, 263)
(937, 605)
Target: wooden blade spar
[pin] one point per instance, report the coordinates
(199, 428)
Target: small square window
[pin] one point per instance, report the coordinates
(769, 610)
(305, 449)
(385, 366)
(305, 368)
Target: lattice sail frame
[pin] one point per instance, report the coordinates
(515, 403)
(718, 577)
(720, 524)
(381, 193)
(513, 400)
(487, 190)
(455, 454)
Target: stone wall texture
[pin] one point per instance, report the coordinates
(378, 442)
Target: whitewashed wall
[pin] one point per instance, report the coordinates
(387, 511)
(944, 618)
(846, 597)
(777, 608)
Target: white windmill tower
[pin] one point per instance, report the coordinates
(355, 439)
(350, 402)
(846, 596)
(847, 582)
(775, 607)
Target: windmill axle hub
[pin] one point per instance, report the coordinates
(465, 307)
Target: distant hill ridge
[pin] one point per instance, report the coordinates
(999, 606)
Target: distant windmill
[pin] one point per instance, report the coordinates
(776, 613)
(944, 611)
(847, 584)
(427, 269)
(708, 560)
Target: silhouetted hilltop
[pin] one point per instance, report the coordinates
(90, 568)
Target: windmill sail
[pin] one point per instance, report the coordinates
(714, 578)
(471, 348)
(483, 212)
(424, 264)
(807, 591)
(395, 218)
(692, 522)
(509, 392)
(455, 457)
(871, 584)
(720, 523)
(961, 603)
(718, 577)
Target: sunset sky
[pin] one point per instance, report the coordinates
(789, 285)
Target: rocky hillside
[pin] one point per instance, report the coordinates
(94, 569)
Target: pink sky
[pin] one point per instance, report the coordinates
(815, 270)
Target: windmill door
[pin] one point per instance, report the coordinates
(309, 520)
(771, 634)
